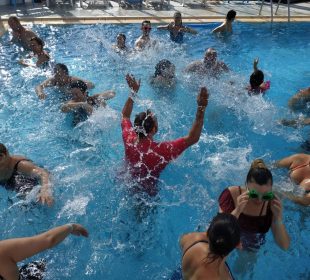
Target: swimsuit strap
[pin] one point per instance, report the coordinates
(230, 274)
(261, 210)
(193, 244)
(299, 166)
(16, 164)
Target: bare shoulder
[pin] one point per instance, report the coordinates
(235, 191)
(187, 239)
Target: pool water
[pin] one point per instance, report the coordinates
(86, 162)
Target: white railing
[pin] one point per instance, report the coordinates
(271, 9)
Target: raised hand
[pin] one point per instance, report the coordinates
(79, 230)
(255, 63)
(133, 84)
(202, 97)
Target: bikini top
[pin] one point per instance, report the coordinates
(248, 223)
(205, 241)
(299, 166)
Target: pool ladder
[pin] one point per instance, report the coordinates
(271, 9)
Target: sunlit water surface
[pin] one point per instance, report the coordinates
(86, 162)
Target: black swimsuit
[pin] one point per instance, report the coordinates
(206, 241)
(19, 182)
(31, 271)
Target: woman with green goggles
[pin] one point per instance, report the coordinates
(256, 207)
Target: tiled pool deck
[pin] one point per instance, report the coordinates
(192, 12)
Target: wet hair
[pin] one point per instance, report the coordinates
(223, 234)
(122, 35)
(80, 85)
(178, 14)
(61, 67)
(145, 22)
(256, 78)
(161, 66)
(231, 15)
(38, 40)
(3, 149)
(143, 124)
(259, 173)
(13, 19)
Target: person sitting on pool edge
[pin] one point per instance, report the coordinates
(257, 84)
(62, 80)
(120, 46)
(177, 29)
(208, 66)
(83, 105)
(16, 250)
(36, 45)
(19, 174)
(226, 26)
(299, 172)
(164, 75)
(144, 40)
(146, 159)
(204, 254)
(256, 207)
(20, 33)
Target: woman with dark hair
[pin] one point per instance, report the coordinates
(177, 29)
(226, 26)
(257, 208)
(164, 75)
(19, 174)
(257, 84)
(205, 253)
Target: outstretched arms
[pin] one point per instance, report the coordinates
(195, 132)
(39, 89)
(18, 249)
(134, 86)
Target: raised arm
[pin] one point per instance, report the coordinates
(195, 132)
(39, 89)
(134, 86)
(164, 27)
(45, 194)
(18, 249)
(255, 63)
(73, 106)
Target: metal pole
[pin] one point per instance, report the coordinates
(277, 7)
(288, 10)
(261, 7)
(271, 10)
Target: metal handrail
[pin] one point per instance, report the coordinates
(271, 9)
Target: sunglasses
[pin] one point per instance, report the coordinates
(264, 196)
(146, 28)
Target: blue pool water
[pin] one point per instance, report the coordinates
(86, 161)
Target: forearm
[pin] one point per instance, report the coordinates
(196, 129)
(39, 90)
(280, 234)
(56, 235)
(126, 112)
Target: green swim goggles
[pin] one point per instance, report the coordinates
(265, 196)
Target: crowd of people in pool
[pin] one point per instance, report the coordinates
(246, 213)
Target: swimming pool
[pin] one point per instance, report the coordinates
(86, 162)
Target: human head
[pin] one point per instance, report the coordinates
(14, 23)
(259, 178)
(79, 90)
(145, 124)
(36, 44)
(165, 68)
(60, 71)
(256, 78)
(177, 18)
(231, 15)
(224, 235)
(121, 40)
(210, 55)
(146, 27)
(3, 152)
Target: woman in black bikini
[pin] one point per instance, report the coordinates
(299, 172)
(19, 174)
(205, 253)
(15, 250)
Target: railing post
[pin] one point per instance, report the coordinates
(271, 10)
(288, 11)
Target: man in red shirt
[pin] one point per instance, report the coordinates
(146, 158)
